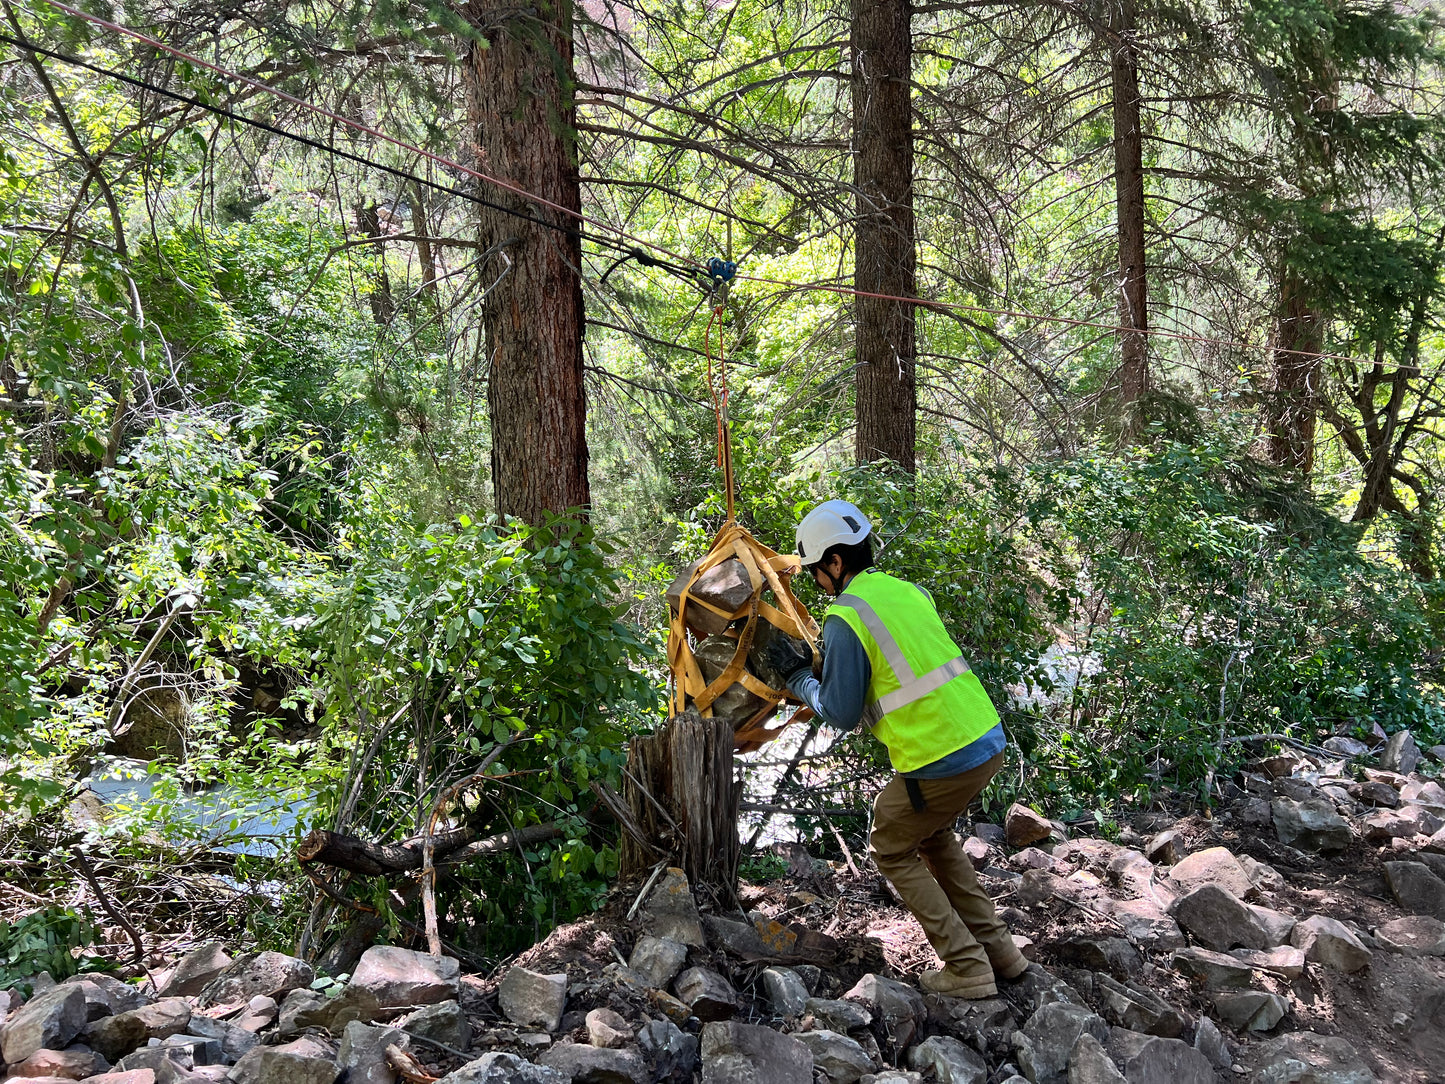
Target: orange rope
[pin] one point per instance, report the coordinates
(720, 402)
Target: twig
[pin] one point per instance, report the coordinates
(847, 854)
(645, 888)
(117, 916)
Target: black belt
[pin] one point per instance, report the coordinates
(915, 794)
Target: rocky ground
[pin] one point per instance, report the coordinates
(1298, 935)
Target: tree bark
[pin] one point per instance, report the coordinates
(1292, 404)
(520, 103)
(884, 258)
(369, 859)
(1129, 204)
(421, 226)
(383, 309)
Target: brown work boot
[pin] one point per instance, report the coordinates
(1011, 967)
(954, 983)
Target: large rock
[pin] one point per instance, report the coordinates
(1216, 970)
(301, 1062)
(1136, 1008)
(1089, 1063)
(607, 1028)
(1113, 955)
(1383, 825)
(1416, 889)
(899, 1008)
(1307, 1058)
(400, 978)
(443, 1022)
(669, 1050)
(75, 1063)
(1329, 942)
(736, 1053)
(1209, 1042)
(589, 1064)
(1218, 919)
(840, 1058)
(1168, 1061)
(671, 912)
(1311, 825)
(1288, 963)
(1251, 1010)
(1144, 923)
(533, 999)
(1413, 935)
(1022, 826)
(786, 993)
(1400, 754)
(950, 1060)
(258, 974)
(116, 1036)
(106, 994)
(1047, 1039)
(1216, 866)
(500, 1068)
(195, 970)
(708, 994)
(839, 1015)
(48, 1021)
(658, 959)
(235, 1042)
(361, 1058)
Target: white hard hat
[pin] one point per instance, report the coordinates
(832, 523)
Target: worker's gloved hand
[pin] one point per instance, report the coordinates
(788, 657)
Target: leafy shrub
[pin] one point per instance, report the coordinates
(50, 940)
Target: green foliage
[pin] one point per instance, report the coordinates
(49, 940)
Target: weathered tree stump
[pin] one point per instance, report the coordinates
(682, 801)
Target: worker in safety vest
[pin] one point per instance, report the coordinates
(889, 663)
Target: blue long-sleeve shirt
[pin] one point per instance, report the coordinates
(839, 697)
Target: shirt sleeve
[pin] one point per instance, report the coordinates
(838, 698)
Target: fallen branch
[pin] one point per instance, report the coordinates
(341, 851)
(112, 910)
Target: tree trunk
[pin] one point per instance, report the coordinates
(680, 793)
(1129, 203)
(421, 226)
(368, 221)
(884, 259)
(520, 102)
(1292, 405)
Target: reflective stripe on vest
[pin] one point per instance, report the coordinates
(921, 716)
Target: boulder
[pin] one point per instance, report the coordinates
(1413, 935)
(1344, 746)
(737, 1053)
(195, 970)
(976, 849)
(839, 1015)
(1114, 955)
(1164, 849)
(1416, 888)
(1400, 754)
(708, 994)
(48, 1021)
(1022, 826)
(301, 1062)
(950, 1060)
(260, 1012)
(1311, 825)
(899, 1008)
(124, 1076)
(669, 1050)
(1251, 1010)
(1218, 919)
(106, 994)
(1144, 923)
(1047, 1039)
(671, 912)
(658, 959)
(1090, 1064)
(1168, 1061)
(1277, 925)
(500, 1068)
(258, 974)
(1216, 866)
(1307, 1058)
(1372, 793)
(116, 1036)
(443, 1022)
(725, 586)
(786, 993)
(841, 1059)
(533, 999)
(1216, 970)
(361, 1058)
(399, 978)
(1209, 1042)
(1436, 753)
(608, 1029)
(1288, 963)
(1329, 942)
(75, 1063)
(739, 938)
(1137, 1009)
(596, 1065)
(1408, 821)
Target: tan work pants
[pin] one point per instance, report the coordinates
(920, 853)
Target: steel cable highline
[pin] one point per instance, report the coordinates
(689, 266)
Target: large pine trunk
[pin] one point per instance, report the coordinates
(519, 94)
(1291, 407)
(884, 260)
(1129, 204)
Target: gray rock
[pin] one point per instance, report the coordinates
(1038, 987)
(163, 1061)
(1329, 942)
(1023, 826)
(1114, 955)
(1209, 1042)
(1372, 793)
(1343, 746)
(607, 1028)
(1047, 1039)
(1400, 754)
(1276, 925)
(74, 1063)
(195, 970)
(1416, 888)
(1383, 825)
(739, 938)
(48, 1021)
(304, 1061)
(1307, 1058)
(106, 994)
(708, 994)
(1168, 1061)
(235, 1042)
(399, 978)
(951, 1061)
(443, 1022)
(116, 1036)
(899, 1008)
(258, 974)
(1144, 923)
(839, 1058)
(671, 912)
(1310, 826)
(1288, 963)
(500, 1068)
(1251, 1010)
(1136, 1008)
(1217, 865)
(586, 1064)
(670, 1050)
(1216, 970)
(1414, 935)
(839, 1015)
(532, 999)
(908, 1076)
(1164, 849)
(1218, 919)
(1090, 1064)
(786, 993)
(1436, 753)
(736, 1053)
(658, 959)
(362, 1055)
(1124, 1044)
(302, 1009)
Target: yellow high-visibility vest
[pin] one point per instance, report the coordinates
(923, 701)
